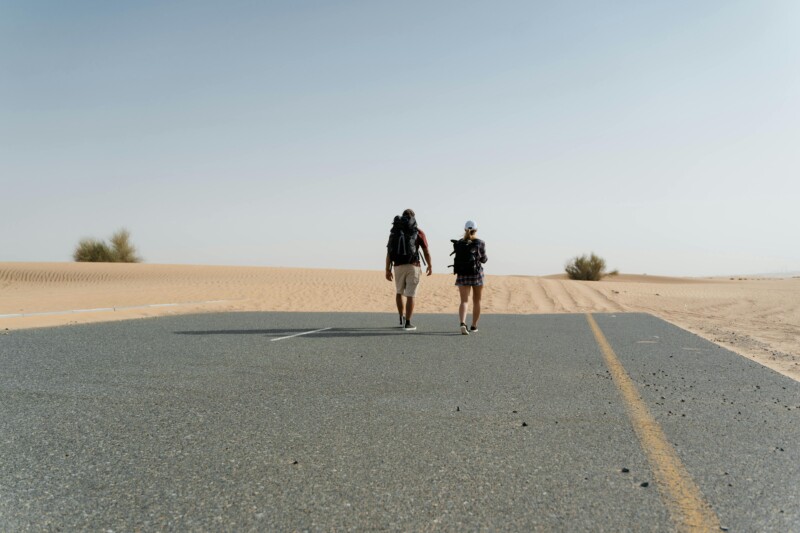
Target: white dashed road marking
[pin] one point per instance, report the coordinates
(299, 334)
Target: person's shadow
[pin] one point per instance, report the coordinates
(326, 334)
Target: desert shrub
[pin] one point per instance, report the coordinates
(92, 251)
(123, 250)
(589, 268)
(96, 251)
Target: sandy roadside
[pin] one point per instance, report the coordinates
(757, 318)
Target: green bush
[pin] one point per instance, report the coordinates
(95, 251)
(589, 268)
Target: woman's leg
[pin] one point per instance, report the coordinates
(476, 304)
(462, 309)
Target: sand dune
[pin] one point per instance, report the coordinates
(759, 318)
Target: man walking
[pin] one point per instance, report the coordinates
(403, 255)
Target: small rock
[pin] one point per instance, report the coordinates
(295, 462)
(644, 484)
(525, 424)
(625, 470)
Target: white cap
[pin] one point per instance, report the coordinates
(470, 225)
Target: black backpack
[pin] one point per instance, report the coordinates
(403, 241)
(466, 262)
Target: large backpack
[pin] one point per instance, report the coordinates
(403, 241)
(466, 261)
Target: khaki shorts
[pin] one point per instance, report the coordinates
(406, 279)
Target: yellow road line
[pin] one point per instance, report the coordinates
(687, 506)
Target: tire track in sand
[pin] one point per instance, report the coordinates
(544, 302)
(593, 298)
(562, 302)
(526, 295)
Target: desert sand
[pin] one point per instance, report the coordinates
(757, 318)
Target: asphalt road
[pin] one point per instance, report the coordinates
(221, 422)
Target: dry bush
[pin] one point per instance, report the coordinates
(124, 250)
(92, 251)
(588, 268)
(121, 250)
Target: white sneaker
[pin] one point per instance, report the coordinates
(402, 321)
(464, 329)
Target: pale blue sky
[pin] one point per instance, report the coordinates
(662, 135)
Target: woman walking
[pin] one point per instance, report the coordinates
(470, 255)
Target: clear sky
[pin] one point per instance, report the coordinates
(664, 136)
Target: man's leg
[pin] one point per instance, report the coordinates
(412, 281)
(409, 308)
(400, 283)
